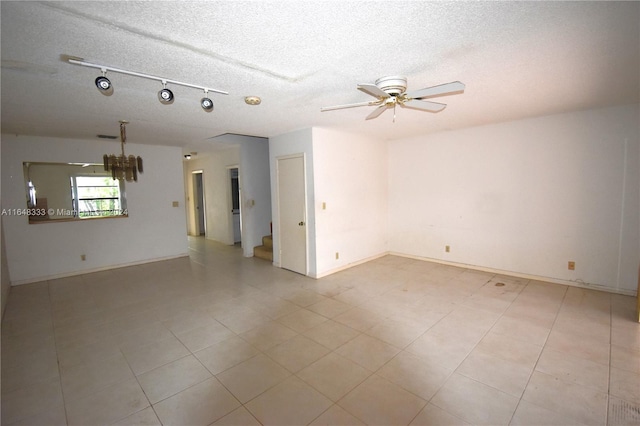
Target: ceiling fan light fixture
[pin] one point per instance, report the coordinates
(391, 91)
(394, 85)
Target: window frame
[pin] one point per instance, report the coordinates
(121, 199)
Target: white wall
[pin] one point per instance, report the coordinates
(251, 156)
(298, 142)
(348, 173)
(255, 187)
(154, 229)
(217, 192)
(525, 197)
(351, 178)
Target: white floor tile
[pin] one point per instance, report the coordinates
(216, 338)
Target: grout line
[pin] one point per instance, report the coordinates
(541, 351)
(55, 342)
(566, 291)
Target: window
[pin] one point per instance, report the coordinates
(97, 196)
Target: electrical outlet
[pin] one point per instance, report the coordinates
(447, 249)
(572, 265)
(83, 257)
(337, 255)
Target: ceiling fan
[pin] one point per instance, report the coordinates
(391, 91)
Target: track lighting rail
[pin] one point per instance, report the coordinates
(104, 68)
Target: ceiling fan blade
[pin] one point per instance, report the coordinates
(376, 112)
(441, 90)
(359, 104)
(424, 105)
(373, 90)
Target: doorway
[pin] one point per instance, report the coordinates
(292, 207)
(198, 203)
(235, 205)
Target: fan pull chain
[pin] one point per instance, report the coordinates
(394, 112)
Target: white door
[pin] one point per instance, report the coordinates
(292, 202)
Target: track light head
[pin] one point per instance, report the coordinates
(104, 85)
(165, 96)
(206, 104)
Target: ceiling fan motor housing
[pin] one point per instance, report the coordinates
(394, 85)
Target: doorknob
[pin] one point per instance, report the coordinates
(300, 223)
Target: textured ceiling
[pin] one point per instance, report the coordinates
(517, 59)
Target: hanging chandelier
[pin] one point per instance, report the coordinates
(123, 167)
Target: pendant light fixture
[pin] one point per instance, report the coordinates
(123, 167)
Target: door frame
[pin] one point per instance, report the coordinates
(306, 208)
(230, 199)
(196, 224)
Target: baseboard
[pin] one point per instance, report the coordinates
(348, 266)
(91, 270)
(522, 275)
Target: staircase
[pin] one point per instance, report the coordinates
(265, 251)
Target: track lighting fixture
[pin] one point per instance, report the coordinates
(104, 84)
(164, 95)
(206, 103)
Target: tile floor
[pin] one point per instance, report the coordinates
(220, 339)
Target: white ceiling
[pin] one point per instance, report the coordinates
(517, 59)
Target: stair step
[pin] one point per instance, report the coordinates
(267, 241)
(263, 252)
